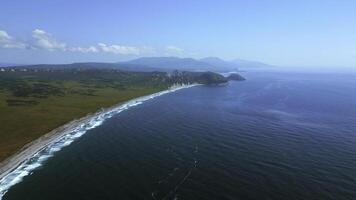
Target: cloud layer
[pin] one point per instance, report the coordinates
(90, 49)
(118, 49)
(45, 41)
(174, 49)
(8, 42)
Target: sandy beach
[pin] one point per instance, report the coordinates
(37, 145)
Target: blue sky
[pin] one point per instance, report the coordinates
(280, 32)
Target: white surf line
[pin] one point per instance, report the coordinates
(36, 159)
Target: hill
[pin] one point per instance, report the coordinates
(90, 65)
(172, 63)
(164, 64)
(214, 64)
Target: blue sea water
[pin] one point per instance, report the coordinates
(278, 135)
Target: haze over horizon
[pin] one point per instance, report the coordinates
(284, 33)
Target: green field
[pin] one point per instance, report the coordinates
(34, 103)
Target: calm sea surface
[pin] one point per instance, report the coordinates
(274, 136)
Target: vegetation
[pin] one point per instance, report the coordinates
(208, 78)
(34, 101)
(235, 77)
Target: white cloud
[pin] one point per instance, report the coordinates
(119, 49)
(45, 40)
(8, 42)
(174, 49)
(90, 49)
(125, 50)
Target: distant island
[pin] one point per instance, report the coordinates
(37, 99)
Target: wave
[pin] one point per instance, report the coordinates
(36, 160)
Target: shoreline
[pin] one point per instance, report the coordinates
(21, 157)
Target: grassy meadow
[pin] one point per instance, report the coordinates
(33, 103)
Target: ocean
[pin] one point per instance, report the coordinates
(277, 135)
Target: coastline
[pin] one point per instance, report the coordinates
(30, 150)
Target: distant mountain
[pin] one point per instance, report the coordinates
(165, 64)
(172, 63)
(9, 64)
(233, 65)
(250, 64)
(91, 65)
(189, 64)
(220, 64)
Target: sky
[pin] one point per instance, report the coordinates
(277, 32)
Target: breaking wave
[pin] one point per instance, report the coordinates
(37, 160)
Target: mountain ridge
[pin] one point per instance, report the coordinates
(166, 64)
(204, 64)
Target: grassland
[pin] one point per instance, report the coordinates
(36, 102)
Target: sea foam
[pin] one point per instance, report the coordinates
(37, 159)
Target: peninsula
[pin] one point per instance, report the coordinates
(37, 103)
